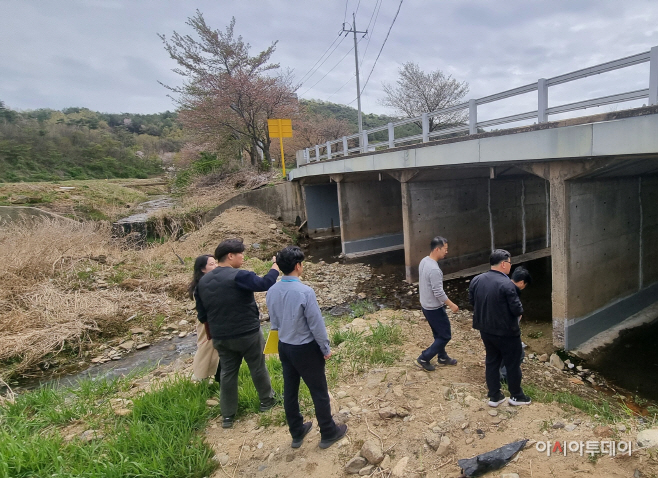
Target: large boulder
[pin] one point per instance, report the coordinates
(648, 438)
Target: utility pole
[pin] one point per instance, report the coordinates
(356, 61)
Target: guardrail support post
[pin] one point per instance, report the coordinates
(317, 152)
(472, 117)
(345, 153)
(307, 155)
(542, 100)
(653, 76)
(426, 128)
(364, 142)
(391, 136)
(328, 150)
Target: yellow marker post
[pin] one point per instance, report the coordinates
(280, 128)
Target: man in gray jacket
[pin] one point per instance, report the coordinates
(433, 301)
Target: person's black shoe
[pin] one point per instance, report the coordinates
(340, 433)
(497, 400)
(446, 361)
(522, 399)
(228, 422)
(428, 367)
(297, 442)
(271, 403)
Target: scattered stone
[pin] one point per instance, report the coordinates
(97, 359)
(386, 463)
(446, 392)
(290, 457)
(470, 440)
(543, 358)
(387, 412)
(570, 427)
(183, 322)
(273, 226)
(341, 394)
(648, 438)
(223, 459)
(372, 451)
(433, 440)
(402, 412)
(496, 420)
(353, 466)
(557, 425)
(399, 470)
(444, 447)
(570, 365)
(621, 428)
(579, 368)
(89, 435)
(182, 334)
(127, 345)
(137, 330)
(212, 403)
(122, 412)
(603, 432)
(493, 413)
(361, 295)
(366, 470)
(262, 467)
(556, 362)
(142, 346)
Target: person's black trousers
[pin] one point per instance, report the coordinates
(505, 350)
(440, 325)
(306, 362)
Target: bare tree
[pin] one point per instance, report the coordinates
(228, 94)
(417, 92)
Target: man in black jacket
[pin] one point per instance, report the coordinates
(226, 303)
(496, 312)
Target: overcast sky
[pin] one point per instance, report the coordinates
(105, 54)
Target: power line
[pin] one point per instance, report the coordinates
(332, 69)
(381, 49)
(345, 15)
(307, 76)
(377, 8)
(344, 84)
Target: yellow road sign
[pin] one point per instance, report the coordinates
(280, 128)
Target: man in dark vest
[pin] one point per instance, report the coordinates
(226, 303)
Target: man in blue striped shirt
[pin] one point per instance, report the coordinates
(303, 349)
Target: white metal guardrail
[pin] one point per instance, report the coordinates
(340, 147)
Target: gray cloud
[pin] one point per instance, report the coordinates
(106, 55)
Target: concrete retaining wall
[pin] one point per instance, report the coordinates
(14, 213)
(322, 212)
(283, 201)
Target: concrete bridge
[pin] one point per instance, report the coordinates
(583, 190)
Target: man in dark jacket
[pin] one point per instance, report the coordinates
(226, 303)
(496, 313)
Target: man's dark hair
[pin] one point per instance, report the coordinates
(522, 274)
(438, 241)
(288, 258)
(229, 246)
(498, 256)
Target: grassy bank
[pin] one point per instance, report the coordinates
(76, 432)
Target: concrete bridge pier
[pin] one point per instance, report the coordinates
(475, 212)
(604, 234)
(370, 208)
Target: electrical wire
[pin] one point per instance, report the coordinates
(377, 8)
(332, 69)
(345, 15)
(344, 84)
(312, 71)
(380, 51)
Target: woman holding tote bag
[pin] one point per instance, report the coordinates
(206, 360)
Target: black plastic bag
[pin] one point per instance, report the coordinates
(491, 460)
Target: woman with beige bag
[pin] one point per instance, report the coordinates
(206, 360)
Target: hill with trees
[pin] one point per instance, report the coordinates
(77, 143)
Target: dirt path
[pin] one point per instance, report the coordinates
(449, 402)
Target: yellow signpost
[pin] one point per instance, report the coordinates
(280, 128)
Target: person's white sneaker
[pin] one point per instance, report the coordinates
(520, 400)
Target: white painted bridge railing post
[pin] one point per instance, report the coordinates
(317, 152)
(391, 136)
(542, 100)
(426, 127)
(472, 117)
(345, 153)
(653, 76)
(328, 150)
(307, 154)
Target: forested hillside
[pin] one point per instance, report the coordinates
(77, 143)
